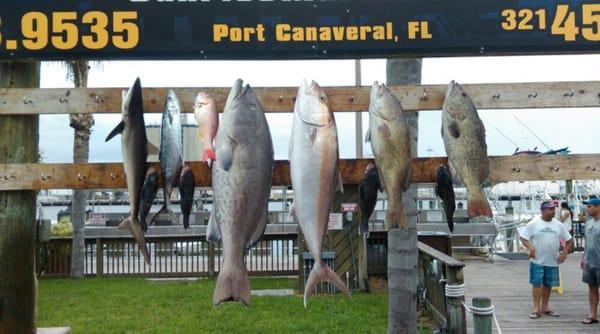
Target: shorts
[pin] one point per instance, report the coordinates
(540, 275)
(591, 276)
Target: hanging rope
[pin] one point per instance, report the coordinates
(458, 291)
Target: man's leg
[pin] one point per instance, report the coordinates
(537, 292)
(546, 291)
(593, 301)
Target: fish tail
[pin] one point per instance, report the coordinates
(478, 205)
(232, 285)
(136, 231)
(363, 229)
(395, 217)
(186, 221)
(319, 273)
(209, 154)
(166, 210)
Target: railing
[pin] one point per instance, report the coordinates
(435, 270)
(181, 256)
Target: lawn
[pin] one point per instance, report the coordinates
(132, 305)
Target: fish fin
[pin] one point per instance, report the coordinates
(478, 205)
(225, 154)
(259, 230)
(232, 285)
(339, 184)
(136, 231)
(453, 129)
(384, 129)
(319, 273)
(186, 221)
(292, 213)
(368, 136)
(312, 134)
(117, 130)
(163, 209)
(213, 232)
(152, 149)
(395, 217)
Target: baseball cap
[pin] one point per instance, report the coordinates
(592, 201)
(548, 205)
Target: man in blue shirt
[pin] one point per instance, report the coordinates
(590, 261)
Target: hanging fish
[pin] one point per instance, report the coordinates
(445, 191)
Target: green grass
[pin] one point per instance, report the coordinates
(130, 305)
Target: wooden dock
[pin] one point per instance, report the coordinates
(506, 282)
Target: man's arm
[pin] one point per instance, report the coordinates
(529, 247)
(563, 255)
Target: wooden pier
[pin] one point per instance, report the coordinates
(506, 282)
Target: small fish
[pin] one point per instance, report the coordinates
(187, 185)
(134, 147)
(367, 197)
(171, 151)
(149, 190)
(464, 139)
(445, 191)
(205, 111)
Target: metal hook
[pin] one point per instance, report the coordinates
(533, 96)
(63, 100)
(6, 176)
(570, 94)
(592, 168)
(496, 96)
(351, 99)
(555, 168)
(80, 177)
(424, 97)
(517, 169)
(45, 177)
(113, 176)
(280, 98)
(98, 99)
(27, 100)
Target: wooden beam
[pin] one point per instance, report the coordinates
(111, 175)
(16, 101)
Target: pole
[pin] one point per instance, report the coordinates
(482, 324)
(18, 144)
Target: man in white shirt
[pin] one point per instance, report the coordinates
(542, 237)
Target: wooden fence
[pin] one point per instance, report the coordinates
(181, 256)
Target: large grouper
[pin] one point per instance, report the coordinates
(241, 179)
(391, 144)
(315, 175)
(464, 139)
(134, 147)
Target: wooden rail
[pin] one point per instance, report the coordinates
(435, 270)
(15, 101)
(111, 175)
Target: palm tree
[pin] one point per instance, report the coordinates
(82, 124)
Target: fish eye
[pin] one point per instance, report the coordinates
(464, 94)
(322, 97)
(252, 106)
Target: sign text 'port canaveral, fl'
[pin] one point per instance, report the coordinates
(293, 29)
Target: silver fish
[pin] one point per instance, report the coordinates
(315, 175)
(171, 151)
(134, 147)
(464, 139)
(241, 185)
(390, 141)
(207, 117)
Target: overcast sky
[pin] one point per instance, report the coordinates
(576, 128)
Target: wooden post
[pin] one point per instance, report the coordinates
(99, 257)
(402, 244)
(300, 259)
(211, 259)
(18, 144)
(456, 315)
(482, 324)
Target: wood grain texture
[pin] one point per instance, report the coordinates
(111, 175)
(17, 101)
